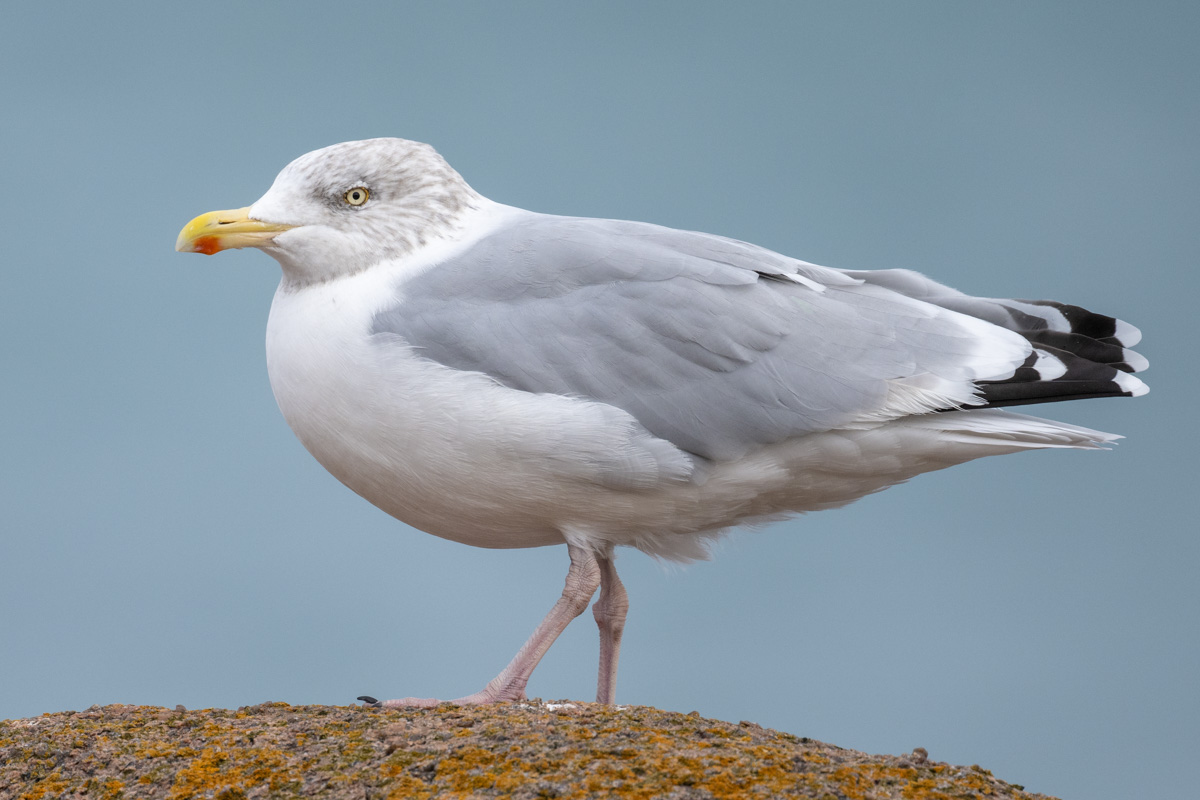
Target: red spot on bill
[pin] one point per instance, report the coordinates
(207, 245)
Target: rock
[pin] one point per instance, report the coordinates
(520, 750)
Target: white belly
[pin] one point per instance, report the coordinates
(412, 437)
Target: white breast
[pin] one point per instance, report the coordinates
(392, 428)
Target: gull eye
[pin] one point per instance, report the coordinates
(357, 196)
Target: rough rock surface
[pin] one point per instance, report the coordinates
(526, 750)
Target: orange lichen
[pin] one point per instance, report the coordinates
(216, 770)
(52, 784)
(112, 789)
(449, 752)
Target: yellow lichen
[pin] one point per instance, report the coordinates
(450, 752)
(237, 769)
(409, 788)
(52, 784)
(112, 789)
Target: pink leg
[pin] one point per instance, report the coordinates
(582, 579)
(609, 612)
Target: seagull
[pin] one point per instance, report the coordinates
(504, 378)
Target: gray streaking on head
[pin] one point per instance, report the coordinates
(504, 378)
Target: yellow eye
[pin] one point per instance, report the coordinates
(358, 195)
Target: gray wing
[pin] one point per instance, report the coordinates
(715, 345)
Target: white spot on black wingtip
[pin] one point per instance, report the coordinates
(1131, 384)
(1044, 310)
(1048, 365)
(370, 702)
(1135, 361)
(1126, 334)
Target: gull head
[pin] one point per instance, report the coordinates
(342, 209)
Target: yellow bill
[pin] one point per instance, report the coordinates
(226, 230)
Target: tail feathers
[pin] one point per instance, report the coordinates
(1010, 432)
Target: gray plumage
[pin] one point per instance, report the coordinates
(708, 342)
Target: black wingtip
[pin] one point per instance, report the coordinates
(370, 702)
(1050, 375)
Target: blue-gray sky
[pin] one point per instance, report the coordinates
(166, 539)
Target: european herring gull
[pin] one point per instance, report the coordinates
(504, 378)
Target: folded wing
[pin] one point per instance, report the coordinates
(720, 347)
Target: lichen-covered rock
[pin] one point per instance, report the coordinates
(526, 750)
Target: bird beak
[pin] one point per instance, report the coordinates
(226, 230)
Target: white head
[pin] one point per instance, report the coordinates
(342, 209)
